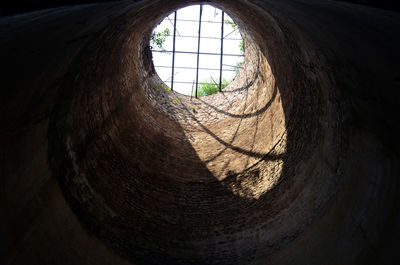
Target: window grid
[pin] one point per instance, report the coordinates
(198, 53)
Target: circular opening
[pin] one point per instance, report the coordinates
(162, 178)
(197, 50)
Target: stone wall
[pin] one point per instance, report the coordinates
(295, 162)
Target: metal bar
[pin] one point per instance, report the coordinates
(173, 53)
(214, 38)
(222, 52)
(205, 21)
(232, 66)
(200, 68)
(205, 53)
(198, 51)
(173, 24)
(230, 33)
(215, 83)
(191, 93)
(165, 81)
(187, 82)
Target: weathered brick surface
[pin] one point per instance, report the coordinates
(271, 171)
(153, 178)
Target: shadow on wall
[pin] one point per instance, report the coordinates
(134, 179)
(301, 170)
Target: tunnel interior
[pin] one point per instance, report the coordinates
(284, 166)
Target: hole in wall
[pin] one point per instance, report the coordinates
(158, 181)
(227, 130)
(148, 175)
(197, 50)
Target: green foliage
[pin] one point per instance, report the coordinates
(163, 87)
(238, 66)
(230, 22)
(209, 87)
(157, 39)
(176, 100)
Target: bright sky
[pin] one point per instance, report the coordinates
(211, 29)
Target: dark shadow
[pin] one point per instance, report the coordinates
(244, 115)
(229, 145)
(134, 180)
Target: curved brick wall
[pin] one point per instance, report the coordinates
(104, 166)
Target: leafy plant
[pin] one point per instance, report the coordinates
(241, 46)
(164, 87)
(230, 22)
(176, 100)
(157, 39)
(209, 87)
(238, 66)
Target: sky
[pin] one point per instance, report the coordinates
(210, 28)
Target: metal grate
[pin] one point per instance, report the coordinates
(195, 83)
